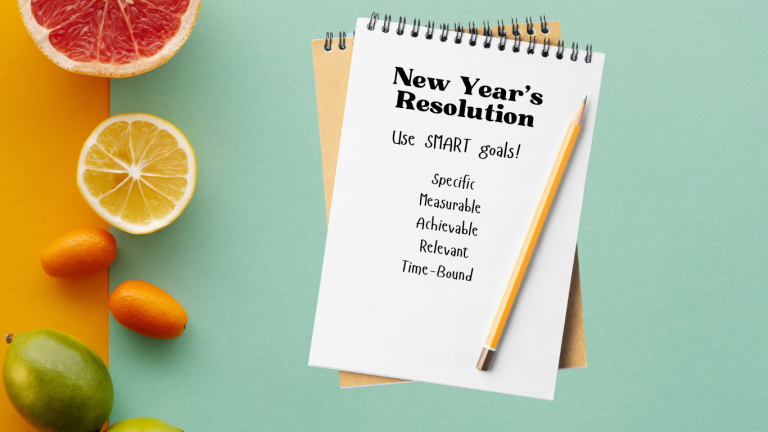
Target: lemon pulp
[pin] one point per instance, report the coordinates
(138, 176)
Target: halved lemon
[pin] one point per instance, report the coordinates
(137, 171)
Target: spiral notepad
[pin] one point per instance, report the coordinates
(445, 141)
(332, 58)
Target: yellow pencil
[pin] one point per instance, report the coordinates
(530, 240)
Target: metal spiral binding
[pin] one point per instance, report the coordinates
(545, 50)
(502, 32)
(575, 52)
(430, 30)
(459, 33)
(386, 23)
(488, 33)
(529, 26)
(443, 32)
(328, 45)
(473, 35)
(500, 29)
(415, 28)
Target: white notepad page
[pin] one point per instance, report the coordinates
(377, 313)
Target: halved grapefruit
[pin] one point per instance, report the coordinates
(109, 38)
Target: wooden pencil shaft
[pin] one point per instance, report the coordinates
(532, 237)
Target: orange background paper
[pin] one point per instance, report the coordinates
(46, 113)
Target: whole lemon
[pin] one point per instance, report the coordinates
(147, 310)
(142, 424)
(57, 382)
(79, 253)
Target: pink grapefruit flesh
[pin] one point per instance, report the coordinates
(113, 38)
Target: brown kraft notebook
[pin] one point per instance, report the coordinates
(331, 77)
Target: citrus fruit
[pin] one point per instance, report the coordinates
(147, 310)
(79, 253)
(57, 382)
(142, 424)
(109, 38)
(137, 171)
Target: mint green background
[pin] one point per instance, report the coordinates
(672, 239)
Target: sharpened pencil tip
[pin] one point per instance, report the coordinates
(585, 99)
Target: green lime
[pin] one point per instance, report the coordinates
(57, 382)
(142, 424)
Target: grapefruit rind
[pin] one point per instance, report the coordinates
(139, 66)
(181, 204)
